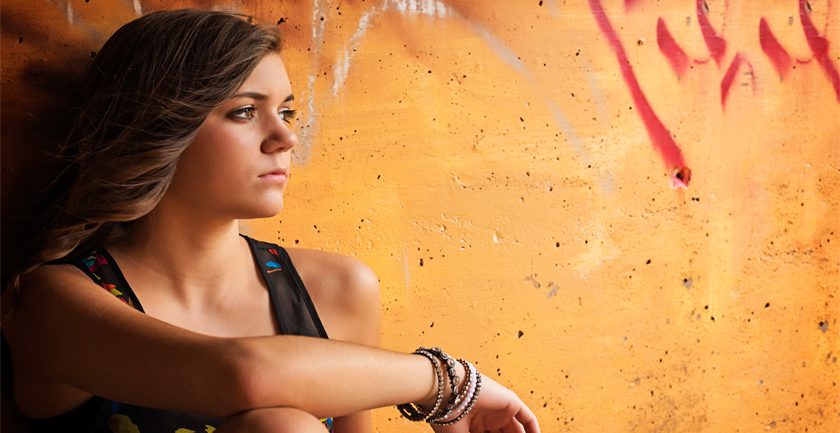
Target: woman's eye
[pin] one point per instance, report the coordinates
(244, 113)
(288, 115)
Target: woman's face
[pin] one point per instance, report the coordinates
(238, 165)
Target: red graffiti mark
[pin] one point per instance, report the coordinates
(729, 77)
(630, 4)
(774, 50)
(670, 48)
(819, 46)
(715, 43)
(680, 175)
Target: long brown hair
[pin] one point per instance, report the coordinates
(147, 92)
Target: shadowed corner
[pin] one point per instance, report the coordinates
(37, 105)
(37, 112)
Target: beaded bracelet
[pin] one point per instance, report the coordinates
(471, 403)
(461, 401)
(465, 405)
(459, 404)
(450, 370)
(411, 412)
(438, 406)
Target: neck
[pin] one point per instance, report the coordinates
(188, 253)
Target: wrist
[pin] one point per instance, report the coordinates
(456, 384)
(428, 400)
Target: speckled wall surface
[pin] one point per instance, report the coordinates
(628, 211)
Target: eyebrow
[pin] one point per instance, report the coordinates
(260, 97)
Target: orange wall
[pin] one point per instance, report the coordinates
(493, 164)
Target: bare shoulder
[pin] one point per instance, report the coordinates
(345, 292)
(336, 271)
(50, 295)
(50, 282)
(35, 323)
(52, 277)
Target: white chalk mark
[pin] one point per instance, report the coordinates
(605, 180)
(309, 128)
(510, 57)
(435, 8)
(595, 89)
(571, 135)
(343, 66)
(79, 22)
(553, 9)
(418, 7)
(497, 236)
(502, 50)
(71, 16)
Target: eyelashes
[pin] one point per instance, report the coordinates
(288, 115)
(244, 113)
(249, 112)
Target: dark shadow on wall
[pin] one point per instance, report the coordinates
(38, 89)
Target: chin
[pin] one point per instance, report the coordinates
(272, 209)
(262, 210)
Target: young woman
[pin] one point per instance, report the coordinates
(138, 307)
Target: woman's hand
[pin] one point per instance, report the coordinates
(498, 409)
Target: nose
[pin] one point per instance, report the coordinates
(278, 137)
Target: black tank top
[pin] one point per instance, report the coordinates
(293, 310)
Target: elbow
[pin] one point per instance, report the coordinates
(251, 380)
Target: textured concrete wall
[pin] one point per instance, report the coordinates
(628, 211)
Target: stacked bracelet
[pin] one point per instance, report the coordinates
(413, 413)
(450, 370)
(467, 402)
(460, 403)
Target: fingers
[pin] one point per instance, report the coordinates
(515, 418)
(528, 420)
(513, 427)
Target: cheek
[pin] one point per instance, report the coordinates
(204, 164)
(225, 148)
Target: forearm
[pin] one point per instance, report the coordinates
(329, 378)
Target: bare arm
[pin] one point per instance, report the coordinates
(68, 330)
(347, 296)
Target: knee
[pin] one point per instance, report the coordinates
(273, 420)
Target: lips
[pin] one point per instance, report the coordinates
(277, 175)
(278, 171)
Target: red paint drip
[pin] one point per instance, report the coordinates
(630, 4)
(775, 51)
(680, 175)
(715, 43)
(729, 77)
(819, 46)
(670, 48)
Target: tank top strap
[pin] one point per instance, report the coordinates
(103, 269)
(292, 304)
